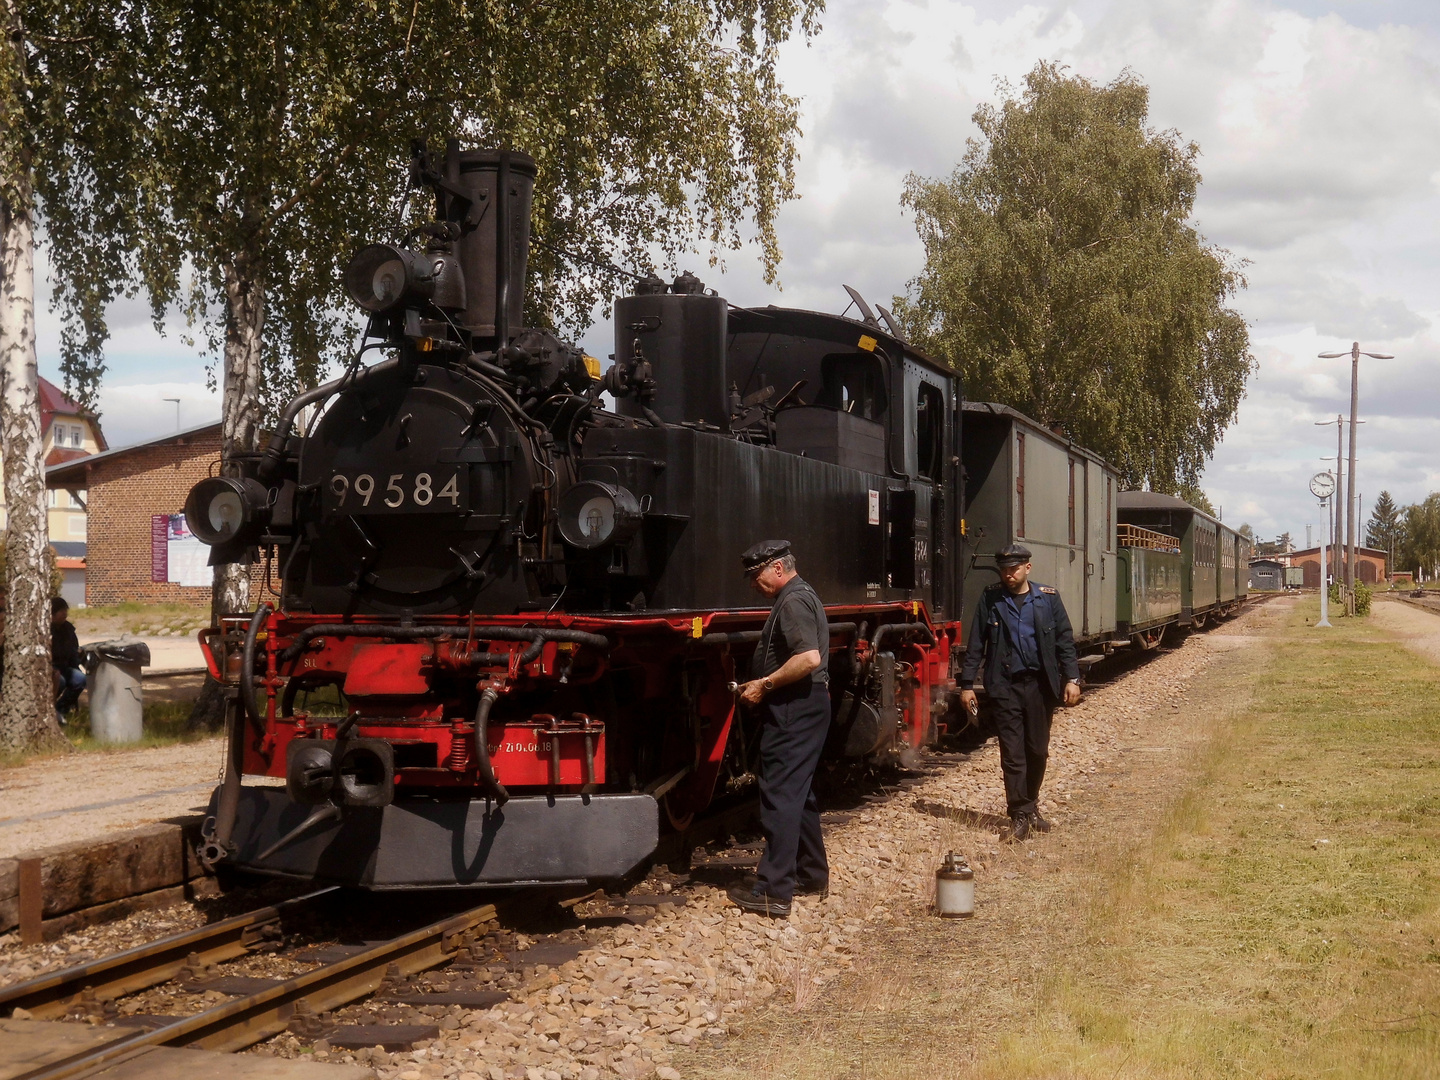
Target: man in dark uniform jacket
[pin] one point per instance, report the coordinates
(789, 681)
(1022, 635)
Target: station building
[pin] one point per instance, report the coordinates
(139, 549)
(1369, 565)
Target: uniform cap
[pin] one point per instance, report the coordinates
(1012, 555)
(766, 551)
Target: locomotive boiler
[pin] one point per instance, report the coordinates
(501, 618)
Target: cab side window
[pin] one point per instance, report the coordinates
(930, 432)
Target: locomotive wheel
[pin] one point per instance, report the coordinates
(681, 822)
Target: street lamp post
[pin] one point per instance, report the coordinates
(1322, 486)
(1354, 355)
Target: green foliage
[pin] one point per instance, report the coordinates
(1363, 596)
(272, 137)
(1419, 538)
(1384, 527)
(1247, 530)
(1191, 492)
(1063, 277)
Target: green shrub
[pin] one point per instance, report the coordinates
(1363, 594)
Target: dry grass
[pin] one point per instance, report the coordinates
(1195, 926)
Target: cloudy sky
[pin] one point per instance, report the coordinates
(1319, 127)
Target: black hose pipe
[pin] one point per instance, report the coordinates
(749, 637)
(275, 451)
(488, 697)
(247, 664)
(536, 635)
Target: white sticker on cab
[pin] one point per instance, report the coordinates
(874, 508)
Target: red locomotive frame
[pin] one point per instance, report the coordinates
(413, 693)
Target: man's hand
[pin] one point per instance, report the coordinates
(970, 701)
(752, 691)
(1072, 694)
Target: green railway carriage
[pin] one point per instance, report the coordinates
(1127, 564)
(1147, 599)
(1215, 558)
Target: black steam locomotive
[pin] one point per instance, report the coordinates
(528, 606)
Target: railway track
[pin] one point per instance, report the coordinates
(258, 1010)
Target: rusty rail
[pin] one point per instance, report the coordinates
(50, 997)
(248, 1020)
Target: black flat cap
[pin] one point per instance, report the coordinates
(766, 551)
(1012, 555)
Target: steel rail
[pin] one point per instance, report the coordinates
(50, 996)
(251, 1019)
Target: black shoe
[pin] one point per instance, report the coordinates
(1038, 823)
(1019, 829)
(758, 902)
(813, 888)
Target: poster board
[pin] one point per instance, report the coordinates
(176, 556)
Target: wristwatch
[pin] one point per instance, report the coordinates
(767, 683)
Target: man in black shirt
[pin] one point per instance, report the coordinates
(65, 657)
(790, 682)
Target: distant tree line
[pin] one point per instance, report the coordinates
(1409, 534)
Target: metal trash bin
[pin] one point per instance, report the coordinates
(117, 706)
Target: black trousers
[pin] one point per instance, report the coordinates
(792, 735)
(1022, 711)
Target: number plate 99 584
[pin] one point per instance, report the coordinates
(437, 491)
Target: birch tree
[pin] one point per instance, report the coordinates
(27, 715)
(1064, 276)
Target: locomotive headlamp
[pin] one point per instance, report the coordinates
(593, 514)
(381, 277)
(222, 509)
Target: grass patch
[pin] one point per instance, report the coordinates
(1282, 919)
(144, 620)
(163, 725)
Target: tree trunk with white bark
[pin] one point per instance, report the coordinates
(239, 431)
(27, 709)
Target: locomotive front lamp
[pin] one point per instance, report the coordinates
(594, 514)
(381, 277)
(222, 509)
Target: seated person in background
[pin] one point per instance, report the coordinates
(65, 657)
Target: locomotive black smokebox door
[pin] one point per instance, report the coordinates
(900, 538)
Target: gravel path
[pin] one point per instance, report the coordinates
(77, 797)
(1416, 629)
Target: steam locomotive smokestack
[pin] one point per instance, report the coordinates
(488, 193)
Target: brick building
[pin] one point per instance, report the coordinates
(1369, 565)
(138, 549)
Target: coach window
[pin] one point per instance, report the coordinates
(1072, 502)
(929, 431)
(1020, 483)
(1110, 513)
